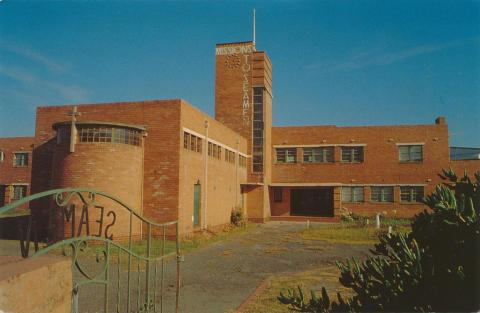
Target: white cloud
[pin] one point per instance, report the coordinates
(35, 56)
(70, 92)
(375, 57)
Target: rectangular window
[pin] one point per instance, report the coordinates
(410, 153)
(257, 130)
(193, 142)
(352, 154)
(411, 193)
(199, 145)
(219, 155)
(19, 191)
(352, 194)
(277, 194)
(20, 159)
(210, 149)
(186, 140)
(382, 194)
(318, 155)
(286, 155)
(242, 161)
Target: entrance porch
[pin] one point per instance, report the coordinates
(303, 202)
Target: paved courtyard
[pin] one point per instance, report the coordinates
(219, 277)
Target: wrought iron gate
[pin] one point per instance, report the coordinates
(129, 268)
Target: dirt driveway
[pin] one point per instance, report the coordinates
(219, 277)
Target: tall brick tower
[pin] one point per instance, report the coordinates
(243, 102)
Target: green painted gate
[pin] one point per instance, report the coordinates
(196, 204)
(129, 274)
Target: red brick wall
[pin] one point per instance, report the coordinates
(235, 73)
(161, 151)
(113, 168)
(471, 166)
(10, 174)
(224, 178)
(381, 164)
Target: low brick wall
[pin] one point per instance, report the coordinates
(36, 285)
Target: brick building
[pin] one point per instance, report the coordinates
(168, 160)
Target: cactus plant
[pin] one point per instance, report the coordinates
(433, 268)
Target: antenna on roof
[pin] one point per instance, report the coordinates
(253, 26)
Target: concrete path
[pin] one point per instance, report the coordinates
(218, 278)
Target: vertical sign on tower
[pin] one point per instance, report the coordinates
(246, 69)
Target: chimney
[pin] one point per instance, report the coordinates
(440, 120)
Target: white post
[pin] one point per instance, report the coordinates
(254, 26)
(377, 221)
(308, 224)
(389, 230)
(205, 184)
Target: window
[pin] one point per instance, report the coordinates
(242, 161)
(199, 145)
(20, 159)
(193, 142)
(411, 193)
(277, 194)
(286, 155)
(411, 153)
(352, 194)
(382, 194)
(229, 156)
(318, 155)
(186, 140)
(352, 154)
(109, 134)
(210, 149)
(257, 130)
(19, 191)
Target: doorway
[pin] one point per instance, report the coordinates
(312, 202)
(196, 205)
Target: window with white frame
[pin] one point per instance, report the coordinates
(20, 159)
(286, 155)
(318, 155)
(381, 194)
(411, 193)
(410, 153)
(352, 154)
(19, 191)
(352, 194)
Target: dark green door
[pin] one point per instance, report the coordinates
(196, 205)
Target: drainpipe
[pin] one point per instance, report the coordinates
(237, 160)
(205, 184)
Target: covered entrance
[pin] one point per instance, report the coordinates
(312, 202)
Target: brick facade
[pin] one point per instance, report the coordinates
(12, 174)
(177, 171)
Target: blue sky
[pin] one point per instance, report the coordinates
(334, 62)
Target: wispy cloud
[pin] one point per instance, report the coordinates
(69, 92)
(374, 57)
(33, 55)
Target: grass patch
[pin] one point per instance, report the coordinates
(348, 233)
(267, 300)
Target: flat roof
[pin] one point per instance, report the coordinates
(137, 127)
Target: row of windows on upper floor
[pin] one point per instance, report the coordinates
(20, 159)
(194, 143)
(349, 154)
(356, 194)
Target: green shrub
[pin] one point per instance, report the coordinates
(433, 268)
(237, 218)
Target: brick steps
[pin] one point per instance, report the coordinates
(288, 218)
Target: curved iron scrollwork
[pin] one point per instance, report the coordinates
(97, 257)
